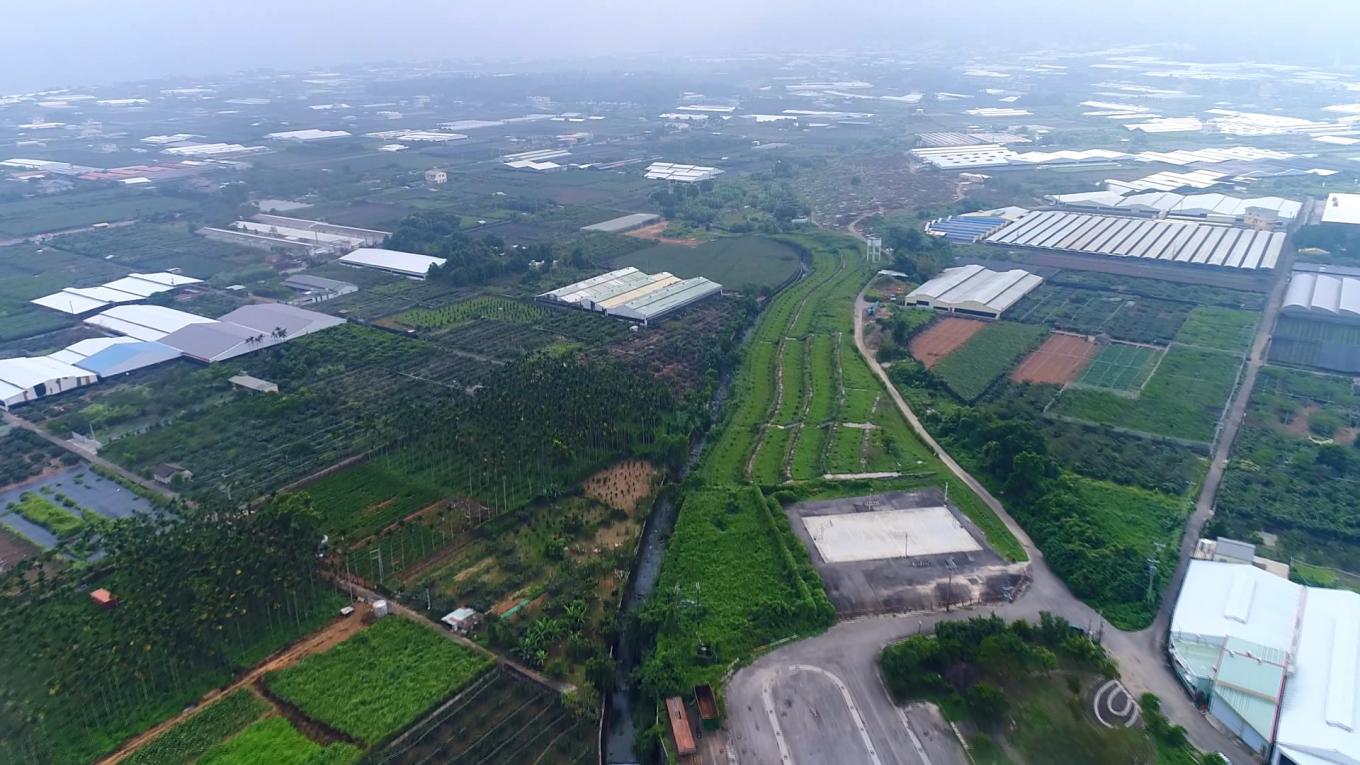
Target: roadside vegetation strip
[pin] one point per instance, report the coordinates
(380, 680)
(989, 354)
(1183, 399)
(207, 728)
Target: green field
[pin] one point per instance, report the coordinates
(1183, 399)
(970, 370)
(1120, 367)
(59, 212)
(735, 577)
(274, 740)
(205, 730)
(360, 501)
(1221, 329)
(734, 263)
(380, 680)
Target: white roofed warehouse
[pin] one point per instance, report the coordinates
(628, 293)
(974, 291)
(393, 261)
(1330, 293)
(28, 379)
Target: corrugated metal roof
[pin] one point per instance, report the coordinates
(407, 263)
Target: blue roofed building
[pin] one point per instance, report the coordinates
(964, 229)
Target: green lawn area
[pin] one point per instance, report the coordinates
(363, 499)
(1183, 399)
(379, 681)
(1221, 329)
(1120, 367)
(733, 262)
(970, 370)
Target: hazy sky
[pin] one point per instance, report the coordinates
(57, 42)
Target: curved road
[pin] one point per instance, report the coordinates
(850, 649)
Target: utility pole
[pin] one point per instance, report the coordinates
(1152, 563)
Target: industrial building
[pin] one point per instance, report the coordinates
(317, 289)
(311, 134)
(113, 356)
(964, 229)
(1329, 293)
(299, 248)
(1275, 662)
(144, 322)
(623, 223)
(540, 160)
(1165, 241)
(670, 171)
(31, 378)
(1342, 208)
(128, 289)
(628, 293)
(974, 291)
(1216, 208)
(393, 261)
(363, 237)
(247, 329)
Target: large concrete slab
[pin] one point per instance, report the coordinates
(880, 534)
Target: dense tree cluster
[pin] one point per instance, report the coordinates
(970, 661)
(200, 594)
(469, 259)
(767, 209)
(918, 256)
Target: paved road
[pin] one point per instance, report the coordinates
(850, 650)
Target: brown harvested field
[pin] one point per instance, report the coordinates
(653, 232)
(942, 337)
(624, 485)
(1059, 360)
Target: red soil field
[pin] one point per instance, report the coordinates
(941, 338)
(1059, 360)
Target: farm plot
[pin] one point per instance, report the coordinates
(1183, 399)
(736, 262)
(380, 680)
(1121, 367)
(1059, 360)
(500, 718)
(276, 741)
(970, 370)
(1220, 329)
(941, 338)
(1094, 311)
(66, 211)
(360, 500)
(195, 736)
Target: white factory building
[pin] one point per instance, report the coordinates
(1277, 663)
(393, 261)
(1324, 292)
(1217, 208)
(129, 289)
(974, 291)
(677, 173)
(1342, 208)
(631, 294)
(30, 378)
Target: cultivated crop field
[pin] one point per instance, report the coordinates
(734, 262)
(1059, 360)
(970, 370)
(1220, 329)
(209, 727)
(380, 680)
(501, 717)
(276, 741)
(1183, 399)
(1122, 367)
(942, 338)
(1089, 311)
(57, 213)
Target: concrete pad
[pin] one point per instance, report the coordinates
(883, 534)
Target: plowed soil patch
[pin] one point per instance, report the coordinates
(1059, 360)
(941, 338)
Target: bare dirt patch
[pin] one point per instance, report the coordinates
(1059, 360)
(13, 549)
(623, 486)
(653, 232)
(942, 338)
